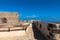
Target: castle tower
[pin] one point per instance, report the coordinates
(8, 18)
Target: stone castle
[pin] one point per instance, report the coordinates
(12, 29)
(9, 21)
(8, 18)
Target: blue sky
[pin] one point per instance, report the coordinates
(45, 10)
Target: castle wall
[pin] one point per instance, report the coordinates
(11, 18)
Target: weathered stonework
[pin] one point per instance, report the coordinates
(10, 27)
(11, 18)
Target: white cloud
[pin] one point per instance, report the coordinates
(33, 16)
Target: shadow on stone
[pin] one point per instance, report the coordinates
(37, 34)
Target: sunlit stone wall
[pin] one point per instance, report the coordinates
(8, 18)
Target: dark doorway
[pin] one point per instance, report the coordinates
(4, 20)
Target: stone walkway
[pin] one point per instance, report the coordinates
(18, 35)
(31, 34)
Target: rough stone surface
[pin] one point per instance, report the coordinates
(30, 33)
(28, 36)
